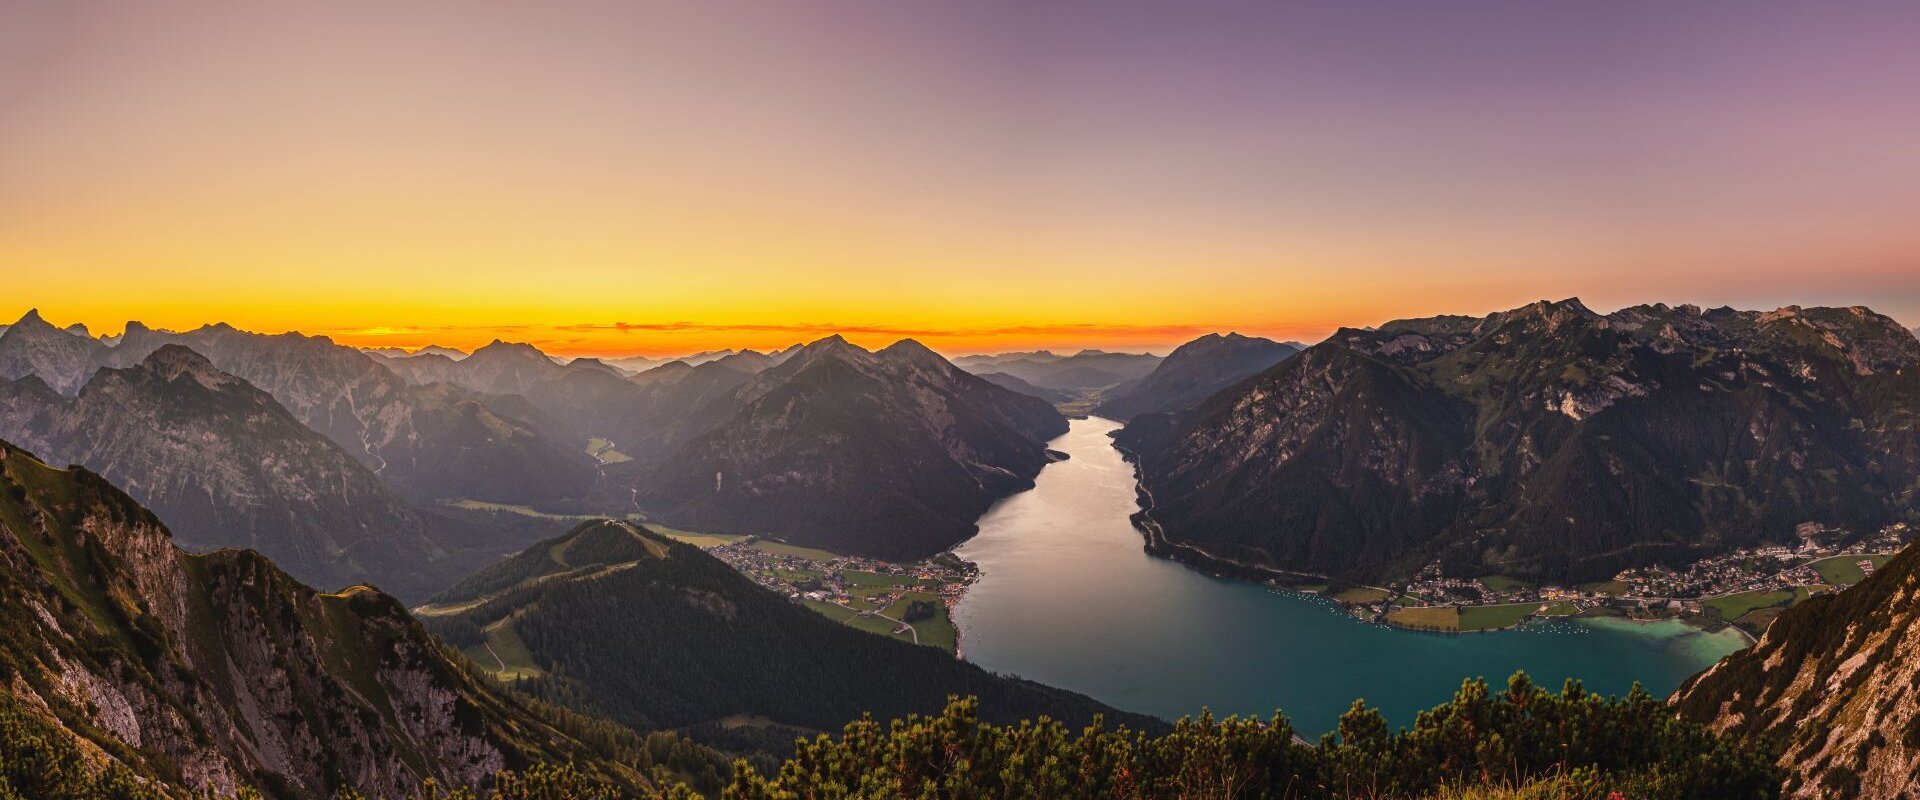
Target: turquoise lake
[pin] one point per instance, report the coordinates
(1068, 597)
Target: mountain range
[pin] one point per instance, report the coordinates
(429, 442)
(219, 672)
(890, 453)
(1083, 371)
(229, 467)
(1547, 441)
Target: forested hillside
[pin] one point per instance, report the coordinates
(618, 620)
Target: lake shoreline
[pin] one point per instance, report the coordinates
(1158, 544)
(1069, 595)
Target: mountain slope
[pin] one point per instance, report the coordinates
(1192, 373)
(231, 468)
(219, 671)
(657, 634)
(1836, 683)
(1548, 442)
(891, 453)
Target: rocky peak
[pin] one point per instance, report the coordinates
(33, 346)
(172, 362)
(30, 320)
(830, 349)
(1551, 315)
(498, 348)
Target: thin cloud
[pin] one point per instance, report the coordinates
(824, 328)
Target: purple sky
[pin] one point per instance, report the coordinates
(1280, 167)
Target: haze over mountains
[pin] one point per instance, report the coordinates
(1548, 442)
(1082, 371)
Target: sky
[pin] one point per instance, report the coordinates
(658, 178)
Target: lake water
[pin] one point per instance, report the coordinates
(1067, 597)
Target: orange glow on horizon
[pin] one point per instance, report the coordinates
(662, 178)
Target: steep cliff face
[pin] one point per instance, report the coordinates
(218, 671)
(1546, 441)
(229, 467)
(1836, 683)
(891, 453)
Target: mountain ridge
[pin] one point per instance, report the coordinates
(1503, 443)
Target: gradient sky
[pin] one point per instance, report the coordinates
(636, 177)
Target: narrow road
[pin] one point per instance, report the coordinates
(910, 628)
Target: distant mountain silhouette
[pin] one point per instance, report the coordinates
(1192, 373)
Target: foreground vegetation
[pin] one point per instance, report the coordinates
(1581, 744)
(1524, 742)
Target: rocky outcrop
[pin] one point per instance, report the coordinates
(219, 671)
(1547, 441)
(1835, 684)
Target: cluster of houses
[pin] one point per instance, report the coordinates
(1658, 588)
(827, 580)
